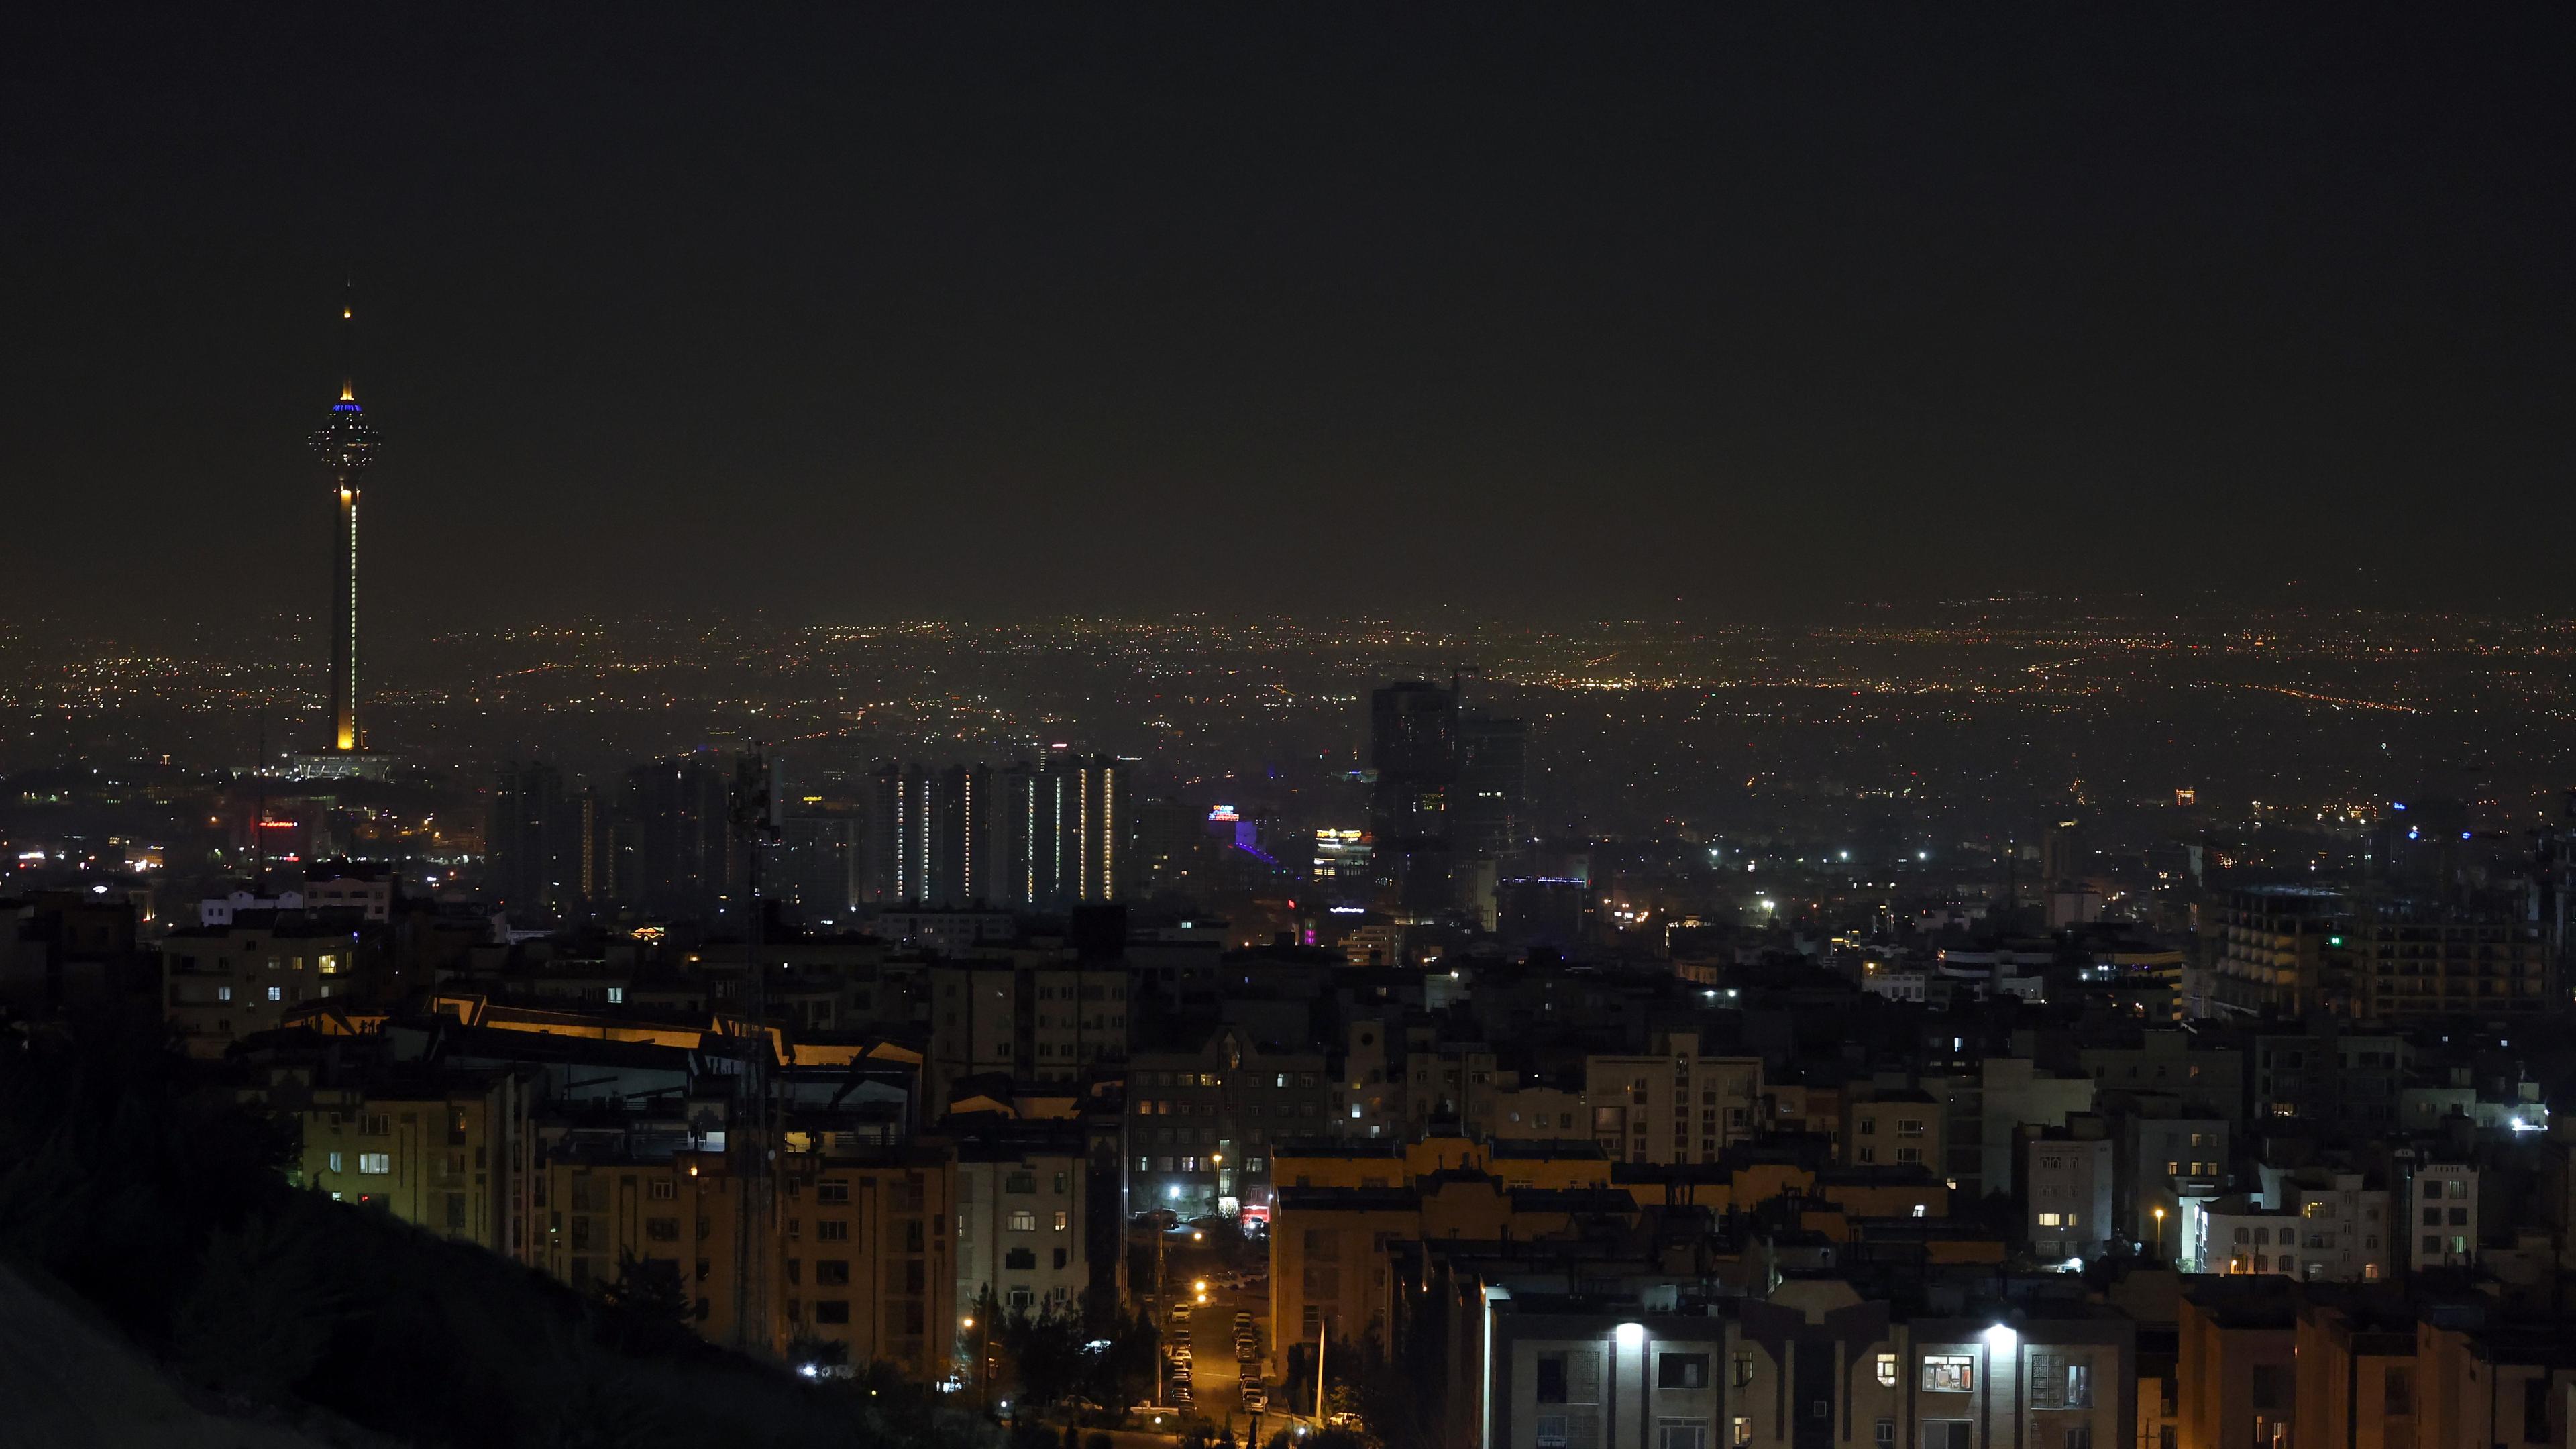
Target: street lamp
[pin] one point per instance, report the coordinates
(983, 1355)
(2160, 1233)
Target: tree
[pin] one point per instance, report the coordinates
(259, 1316)
(1047, 1356)
(645, 1308)
(1121, 1374)
(809, 1347)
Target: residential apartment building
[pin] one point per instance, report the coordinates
(2351, 1080)
(223, 983)
(849, 1249)
(1983, 1104)
(1672, 1104)
(1022, 1221)
(1895, 1127)
(2413, 964)
(452, 1154)
(2269, 954)
(1201, 1125)
(2066, 1190)
(2167, 1154)
(2271, 1363)
(2442, 1216)
(975, 1021)
(2329, 1227)
(1815, 1365)
(2202, 1071)
(1078, 1019)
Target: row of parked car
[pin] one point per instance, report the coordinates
(1247, 1353)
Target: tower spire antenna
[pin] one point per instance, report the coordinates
(348, 341)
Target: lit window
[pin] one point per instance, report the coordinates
(1949, 1373)
(376, 1164)
(1887, 1370)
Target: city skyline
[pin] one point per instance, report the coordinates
(1313, 727)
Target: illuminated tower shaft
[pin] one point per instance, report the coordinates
(346, 446)
(345, 734)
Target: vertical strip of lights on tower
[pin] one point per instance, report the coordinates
(346, 445)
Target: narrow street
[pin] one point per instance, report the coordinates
(1216, 1375)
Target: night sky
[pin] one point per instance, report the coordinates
(1565, 312)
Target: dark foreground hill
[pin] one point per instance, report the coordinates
(175, 1290)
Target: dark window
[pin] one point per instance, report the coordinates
(2399, 1391)
(2535, 1409)
(832, 1310)
(1570, 1378)
(2266, 1388)
(1019, 1260)
(831, 1272)
(1551, 1378)
(1681, 1371)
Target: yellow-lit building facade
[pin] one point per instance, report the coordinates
(854, 1251)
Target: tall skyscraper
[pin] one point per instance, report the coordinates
(1034, 837)
(1413, 749)
(933, 835)
(1450, 788)
(1069, 823)
(1491, 806)
(815, 867)
(533, 841)
(685, 859)
(346, 445)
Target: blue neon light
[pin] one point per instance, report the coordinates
(353, 407)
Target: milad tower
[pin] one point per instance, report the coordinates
(346, 446)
